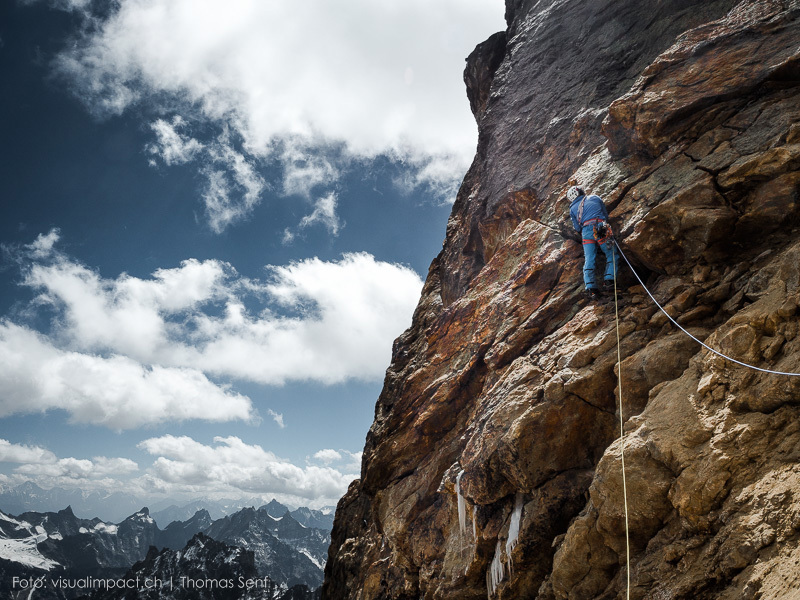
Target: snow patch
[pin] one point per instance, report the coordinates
(106, 528)
(143, 517)
(17, 524)
(83, 530)
(25, 552)
(318, 564)
(56, 536)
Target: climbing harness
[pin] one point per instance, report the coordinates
(580, 211)
(707, 347)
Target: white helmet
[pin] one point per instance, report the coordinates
(574, 192)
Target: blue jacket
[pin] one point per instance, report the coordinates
(593, 208)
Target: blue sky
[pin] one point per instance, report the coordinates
(216, 218)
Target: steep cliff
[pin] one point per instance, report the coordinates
(493, 464)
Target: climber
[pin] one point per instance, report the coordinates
(590, 219)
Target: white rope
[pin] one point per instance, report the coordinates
(622, 433)
(674, 322)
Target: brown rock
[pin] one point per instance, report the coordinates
(722, 60)
(507, 380)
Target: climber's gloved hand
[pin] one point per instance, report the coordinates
(568, 232)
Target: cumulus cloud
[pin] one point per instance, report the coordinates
(379, 76)
(46, 466)
(327, 321)
(183, 468)
(371, 78)
(115, 391)
(20, 453)
(231, 464)
(328, 456)
(349, 462)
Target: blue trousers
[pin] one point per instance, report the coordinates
(590, 245)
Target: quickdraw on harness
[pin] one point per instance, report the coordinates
(601, 229)
(602, 232)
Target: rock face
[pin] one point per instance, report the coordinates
(493, 465)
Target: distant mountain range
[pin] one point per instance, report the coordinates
(321, 519)
(113, 507)
(184, 575)
(60, 544)
(109, 506)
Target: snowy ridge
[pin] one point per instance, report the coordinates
(23, 547)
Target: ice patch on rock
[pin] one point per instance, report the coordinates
(495, 573)
(513, 527)
(462, 506)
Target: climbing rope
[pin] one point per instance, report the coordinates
(674, 322)
(622, 431)
(619, 377)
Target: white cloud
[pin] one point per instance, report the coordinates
(114, 466)
(348, 313)
(125, 315)
(47, 467)
(322, 321)
(43, 245)
(20, 453)
(324, 213)
(173, 147)
(184, 468)
(233, 185)
(304, 169)
(277, 417)
(67, 5)
(231, 464)
(327, 456)
(436, 174)
(116, 391)
(371, 78)
(349, 462)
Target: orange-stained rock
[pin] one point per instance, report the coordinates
(496, 442)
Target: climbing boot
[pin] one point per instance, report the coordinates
(608, 285)
(593, 294)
